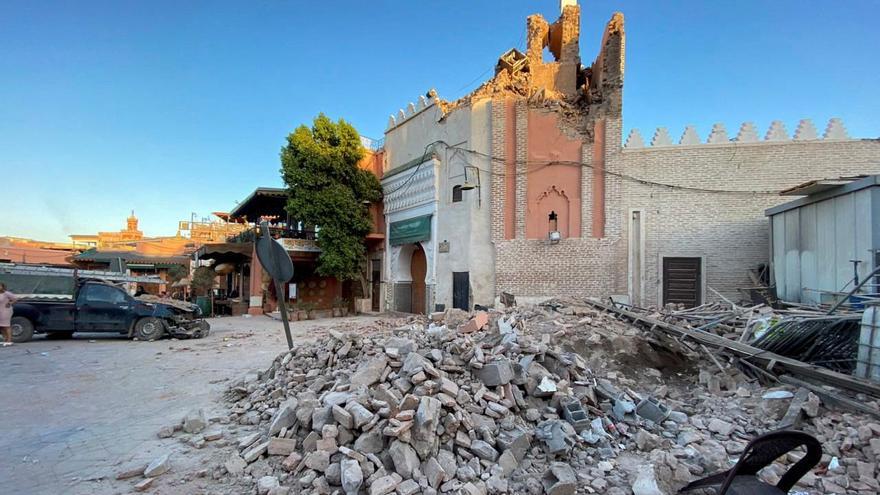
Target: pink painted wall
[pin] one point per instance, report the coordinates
(555, 187)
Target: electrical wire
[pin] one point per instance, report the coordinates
(413, 174)
(535, 165)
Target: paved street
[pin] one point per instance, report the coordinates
(74, 412)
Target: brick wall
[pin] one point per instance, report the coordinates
(729, 230)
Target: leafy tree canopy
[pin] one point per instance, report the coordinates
(203, 280)
(326, 188)
(177, 273)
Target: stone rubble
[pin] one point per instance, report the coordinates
(556, 398)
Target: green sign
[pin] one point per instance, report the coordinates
(411, 230)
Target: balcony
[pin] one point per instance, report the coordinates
(251, 234)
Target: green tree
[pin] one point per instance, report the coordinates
(177, 273)
(202, 280)
(326, 188)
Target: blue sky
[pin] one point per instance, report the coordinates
(170, 108)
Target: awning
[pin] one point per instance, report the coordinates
(225, 248)
(410, 230)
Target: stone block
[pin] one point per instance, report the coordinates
(281, 446)
(159, 466)
(498, 372)
(559, 479)
(195, 421)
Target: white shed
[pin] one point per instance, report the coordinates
(814, 239)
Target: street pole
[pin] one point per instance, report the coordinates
(282, 305)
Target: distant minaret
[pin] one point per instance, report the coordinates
(132, 222)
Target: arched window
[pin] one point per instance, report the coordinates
(456, 194)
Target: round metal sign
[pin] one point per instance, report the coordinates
(273, 257)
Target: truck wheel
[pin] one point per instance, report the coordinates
(22, 329)
(149, 328)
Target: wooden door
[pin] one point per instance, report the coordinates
(682, 281)
(461, 290)
(418, 269)
(376, 288)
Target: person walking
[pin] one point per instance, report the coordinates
(6, 300)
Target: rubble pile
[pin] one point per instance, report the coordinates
(556, 399)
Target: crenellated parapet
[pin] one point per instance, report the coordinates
(412, 109)
(748, 133)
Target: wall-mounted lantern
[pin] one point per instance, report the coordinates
(554, 234)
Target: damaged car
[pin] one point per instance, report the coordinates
(98, 306)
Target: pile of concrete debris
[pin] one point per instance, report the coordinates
(556, 399)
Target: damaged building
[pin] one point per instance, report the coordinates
(526, 186)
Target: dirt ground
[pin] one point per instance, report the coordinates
(73, 413)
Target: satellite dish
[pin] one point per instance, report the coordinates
(273, 257)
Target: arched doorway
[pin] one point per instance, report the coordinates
(418, 267)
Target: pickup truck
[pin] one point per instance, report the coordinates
(98, 306)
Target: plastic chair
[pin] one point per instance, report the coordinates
(760, 452)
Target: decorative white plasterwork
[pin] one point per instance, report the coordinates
(413, 187)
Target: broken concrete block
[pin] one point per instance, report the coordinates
(408, 487)
(385, 484)
(281, 446)
(360, 415)
(574, 413)
(144, 485)
(720, 427)
(370, 442)
(318, 460)
(498, 372)
(508, 462)
(351, 475)
(653, 410)
(213, 435)
(160, 465)
(557, 435)
(131, 472)
(195, 421)
(284, 417)
(343, 417)
(404, 457)
(255, 452)
(370, 372)
(320, 417)
(336, 398)
(484, 451)
(559, 479)
(267, 483)
(433, 470)
(474, 488)
(646, 482)
(397, 347)
(517, 441)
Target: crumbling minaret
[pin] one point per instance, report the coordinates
(561, 38)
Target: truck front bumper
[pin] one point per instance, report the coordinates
(195, 329)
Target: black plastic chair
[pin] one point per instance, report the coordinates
(760, 452)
